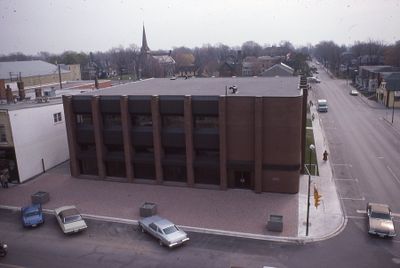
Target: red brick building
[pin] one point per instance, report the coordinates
(192, 132)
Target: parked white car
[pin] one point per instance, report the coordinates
(380, 220)
(70, 220)
(166, 232)
(313, 80)
(354, 92)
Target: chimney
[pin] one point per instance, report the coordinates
(21, 90)
(3, 95)
(9, 95)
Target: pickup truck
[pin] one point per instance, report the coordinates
(166, 232)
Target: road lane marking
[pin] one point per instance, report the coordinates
(342, 165)
(353, 199)
(361, 211)
(355, 217)
(394, 175)
(10, 265)
(351, 179)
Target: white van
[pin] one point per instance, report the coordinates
(322, 105)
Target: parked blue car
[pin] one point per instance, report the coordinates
(32, 215)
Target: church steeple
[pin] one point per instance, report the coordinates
(145, 48)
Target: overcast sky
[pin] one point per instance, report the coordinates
(30, 26)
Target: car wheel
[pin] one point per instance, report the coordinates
(160, 242)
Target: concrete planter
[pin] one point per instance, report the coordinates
(275, 223)
(148, 209)
(40, 197)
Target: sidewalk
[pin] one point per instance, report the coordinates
(328, 219)
(234, 212)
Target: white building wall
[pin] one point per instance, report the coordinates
(37, 137)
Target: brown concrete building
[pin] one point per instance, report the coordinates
(191, 132)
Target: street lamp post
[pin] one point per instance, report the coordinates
(393, 107)
(312, 148)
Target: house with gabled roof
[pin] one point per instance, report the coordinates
(280, 69)
(388, 92)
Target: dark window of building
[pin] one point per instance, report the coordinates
(174, 173)
(205, 121)
(144, 171)
(172, 121)
(87, 147)
(57, 117)
(201, 153)
(84, 119)
(115, 169)
(144, 150)
(172, 151)
(112, 120)
(3, 136)
(115, 148)
(206, 175)
(141, 120)
(88, 166)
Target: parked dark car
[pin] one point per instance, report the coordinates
(32, 215)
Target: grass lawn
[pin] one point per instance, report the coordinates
(309, 141)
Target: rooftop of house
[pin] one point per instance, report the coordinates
(27, 69)
(164, 59)
(379, 68)
(393, 81)
(283, 66)
(246, 86)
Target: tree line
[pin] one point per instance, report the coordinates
(208, 58)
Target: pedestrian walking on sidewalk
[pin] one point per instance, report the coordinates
(4, 175)
(325, 156)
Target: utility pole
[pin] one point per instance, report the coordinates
(312, 148)
(59, 75)
(393, 107)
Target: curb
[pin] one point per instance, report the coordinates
(294, 240)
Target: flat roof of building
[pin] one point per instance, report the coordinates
(27, 104)
(69, 88)
(27, 68)
(246, 86)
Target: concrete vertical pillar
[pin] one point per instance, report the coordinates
(258, 144)
(222, 142)
(98, 136)
(158, 151)
(126, 134)
(70, 125)
(188, 117)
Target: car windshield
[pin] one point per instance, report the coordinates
(32, 214)
(72, 218)
(379, 215)
(171, 229)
